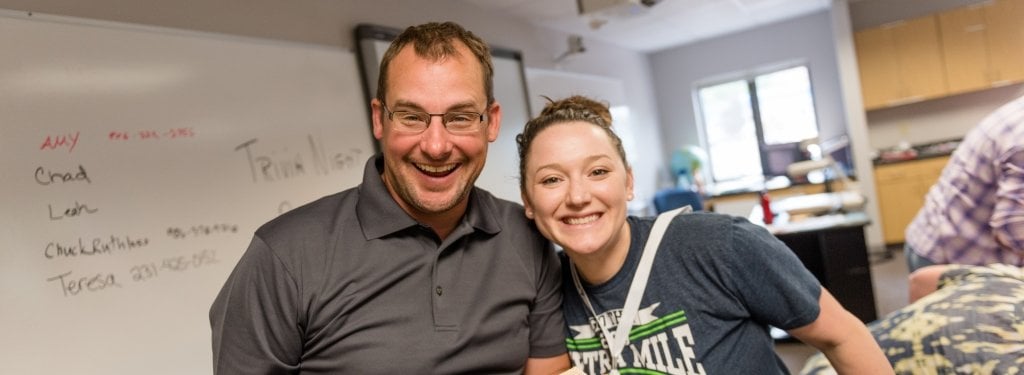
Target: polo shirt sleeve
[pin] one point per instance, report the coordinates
(1008, 215)
(254, 319)
(547, 336)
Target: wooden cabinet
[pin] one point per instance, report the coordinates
(901, 188)
(900, 62)
(983, 45)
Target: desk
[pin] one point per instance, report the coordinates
(833, 248)
(738, 202)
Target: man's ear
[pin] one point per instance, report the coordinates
(493, 121)
(377, 110)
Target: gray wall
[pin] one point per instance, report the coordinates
(330, 22)
(814, 39)
(807, 39)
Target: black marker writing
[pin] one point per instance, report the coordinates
(46, 177)
(272, 167)
(182, 263)
(72, 286)
(98, 246)
(77, 210)
(284, 164)
(201, 230)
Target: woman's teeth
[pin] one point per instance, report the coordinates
(582, 220)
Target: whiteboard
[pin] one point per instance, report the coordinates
(136, 162)
(500, 175)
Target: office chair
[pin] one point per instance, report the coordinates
(672, 198)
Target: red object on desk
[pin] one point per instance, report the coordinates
(766, 208)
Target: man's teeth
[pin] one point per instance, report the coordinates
(582, 220)
(436, 169)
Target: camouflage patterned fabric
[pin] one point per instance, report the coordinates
(973, 324)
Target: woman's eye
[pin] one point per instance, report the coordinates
(548, 181)
(599, 172)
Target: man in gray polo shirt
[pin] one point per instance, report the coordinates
(415, 270)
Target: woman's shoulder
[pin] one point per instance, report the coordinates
(708, 232)
(705, 224)
(686, 228)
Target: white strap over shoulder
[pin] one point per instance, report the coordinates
(639, 283)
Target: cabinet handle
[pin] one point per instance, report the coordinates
(1002, 83)
(893, 24)
(907, 100)
(974, 28)
(986, 3)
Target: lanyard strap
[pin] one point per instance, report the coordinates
(636, 288)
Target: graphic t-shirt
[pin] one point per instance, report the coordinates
(718, 282)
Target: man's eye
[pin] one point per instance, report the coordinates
(461, 118)
(410, 117)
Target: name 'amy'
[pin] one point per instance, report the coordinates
(53, 142)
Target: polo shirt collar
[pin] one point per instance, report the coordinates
(379, 215)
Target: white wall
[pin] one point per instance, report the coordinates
(936, 120)
(846, 57)
(331, 22)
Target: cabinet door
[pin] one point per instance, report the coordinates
(879, 74)
(983, 45)
(901, 189)
(920, 59)
(965, 48)
(900, 62)
(898, 202)
(1006, 40)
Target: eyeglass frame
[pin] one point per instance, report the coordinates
(430, 117)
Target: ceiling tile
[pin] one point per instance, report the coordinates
(666, 24)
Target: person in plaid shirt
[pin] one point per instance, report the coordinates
(974, 214)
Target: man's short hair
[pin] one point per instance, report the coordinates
(436, 41)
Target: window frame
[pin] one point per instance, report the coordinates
(765, 151)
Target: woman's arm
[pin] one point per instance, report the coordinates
(925, 280)
(547, 366)
(844, 339)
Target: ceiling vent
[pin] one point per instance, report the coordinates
(614, 8)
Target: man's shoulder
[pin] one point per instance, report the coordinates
(497, 203)
(506, 212)
(497, 215)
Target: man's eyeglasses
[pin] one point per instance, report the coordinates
(414, 122)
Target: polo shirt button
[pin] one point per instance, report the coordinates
(438, 290)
